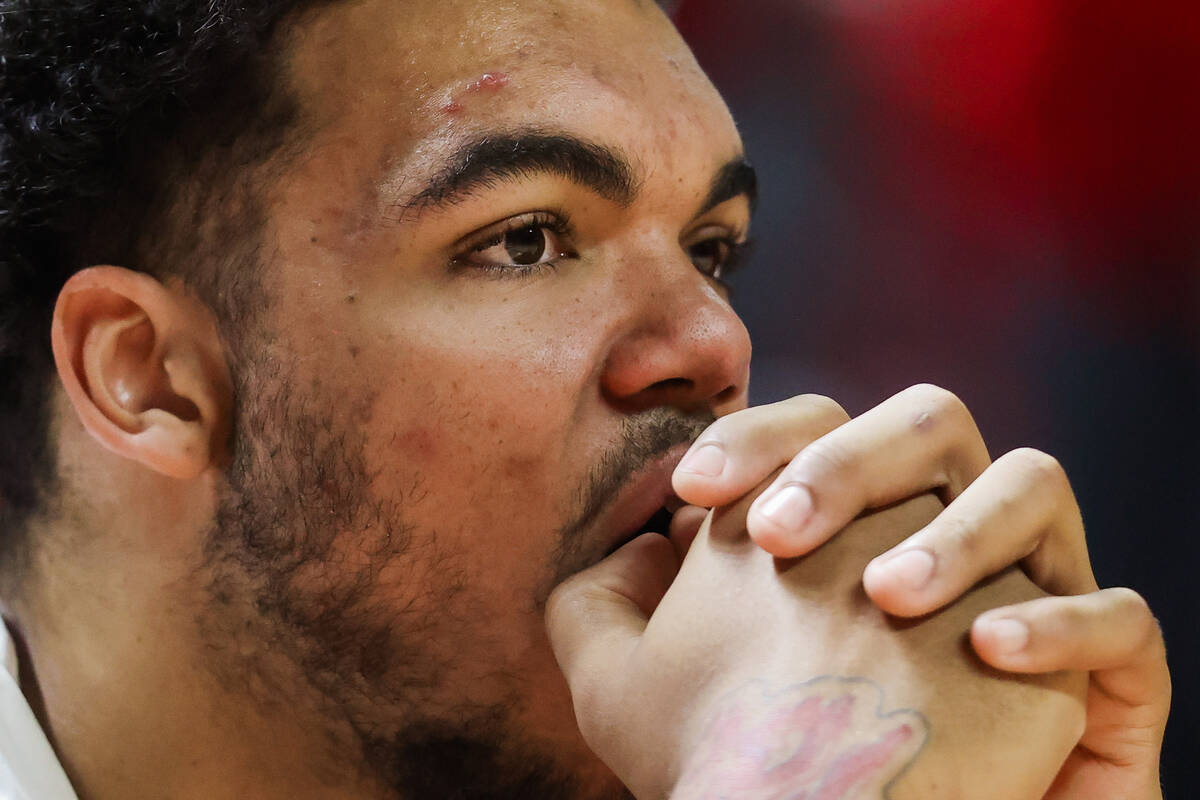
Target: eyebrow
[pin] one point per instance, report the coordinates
(484, 162)
(489, 160)
(736, 179)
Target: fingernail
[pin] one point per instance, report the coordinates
(1010, 635)
(913, 568)
(788, 508)
(708, 460)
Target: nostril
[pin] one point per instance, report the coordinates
(674, 385)
(727, 395)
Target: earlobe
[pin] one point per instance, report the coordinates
(141, 365)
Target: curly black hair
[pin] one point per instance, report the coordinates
(107, 109)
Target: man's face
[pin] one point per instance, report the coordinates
(494, 324)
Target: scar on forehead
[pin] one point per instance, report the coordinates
(489, 82)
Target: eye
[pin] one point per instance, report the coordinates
(520, 244)
(717, 257)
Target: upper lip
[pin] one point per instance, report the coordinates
(647, 490)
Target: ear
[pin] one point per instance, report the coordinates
(143, 367)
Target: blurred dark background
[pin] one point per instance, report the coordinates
(1001, 197)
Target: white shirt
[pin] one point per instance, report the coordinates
(29, 770)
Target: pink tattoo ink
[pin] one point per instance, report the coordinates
(826, 739)
(855, 769)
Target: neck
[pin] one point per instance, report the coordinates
(121, 682)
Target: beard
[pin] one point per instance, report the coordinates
(299, 549)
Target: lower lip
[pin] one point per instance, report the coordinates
(660, 486)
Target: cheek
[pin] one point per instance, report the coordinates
(468, 408)
(500, 379)
(480, 433)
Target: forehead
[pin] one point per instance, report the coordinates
(412, 77)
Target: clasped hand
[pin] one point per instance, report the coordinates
(1018, 509)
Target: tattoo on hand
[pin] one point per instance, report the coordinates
(825, 739)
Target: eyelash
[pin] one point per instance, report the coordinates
(739, 253)
(559, 224)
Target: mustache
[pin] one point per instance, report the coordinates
(643, 438)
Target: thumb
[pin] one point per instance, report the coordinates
(595, 618)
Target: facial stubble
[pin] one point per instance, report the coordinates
(296, 559)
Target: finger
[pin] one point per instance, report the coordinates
(595, 618)
(737, 451)
(1020, 509)
(685, 525)
(1111, 633)
(920, 440)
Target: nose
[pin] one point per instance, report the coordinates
(683, 346)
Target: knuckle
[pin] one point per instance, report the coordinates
(935, 407)
(820, 408)
(1040, 469)
(824, 457)
(1075, 616)
(556, 598)
(566, 591)
(961, 535)
(810, 411)
(1136, 607)
(557, 606)
(924, 389)
(567, 605)
(1130, 599)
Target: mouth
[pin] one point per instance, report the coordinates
(659, 522)
(647, 503)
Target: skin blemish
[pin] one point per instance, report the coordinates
(487, 83)
(416, 442)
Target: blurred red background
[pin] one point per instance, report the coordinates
(1001, 197)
